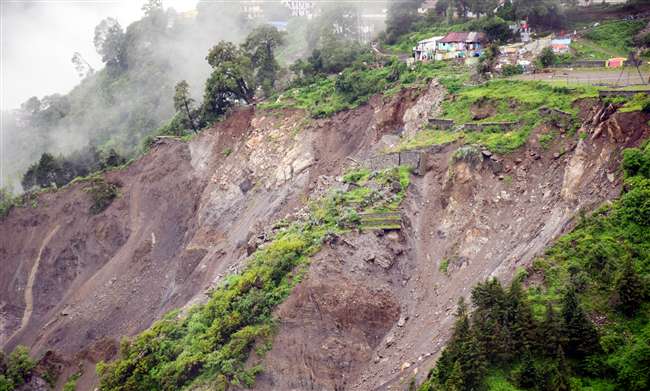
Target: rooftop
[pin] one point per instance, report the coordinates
(465, 36)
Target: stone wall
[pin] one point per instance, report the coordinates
(479, 127)
(442, 123)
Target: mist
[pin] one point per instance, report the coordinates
(100, 110)
(114, 107)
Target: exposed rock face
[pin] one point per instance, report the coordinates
(371, 311)
(427, 105)
(71, 279)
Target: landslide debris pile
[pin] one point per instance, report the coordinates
(356, 291)
(209, 343)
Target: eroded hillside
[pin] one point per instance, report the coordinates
(373, 309)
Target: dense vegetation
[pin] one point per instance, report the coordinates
(326, 95)
(15, 369)
(211, 342)
(543, 337)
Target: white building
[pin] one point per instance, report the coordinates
(252, 8)
(302, 8)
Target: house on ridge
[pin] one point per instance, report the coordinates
(461, 45)
(425, 50)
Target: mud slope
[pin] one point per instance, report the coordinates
(187, 215)
(375, 311)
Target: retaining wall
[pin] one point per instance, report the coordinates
(479, 127)
(627, 93)
(442, 123)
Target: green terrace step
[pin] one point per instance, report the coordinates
(382, 222)
(391, 227)
(382, 215)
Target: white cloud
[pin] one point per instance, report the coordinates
(39, 38)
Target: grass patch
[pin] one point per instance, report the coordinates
(497, 381)
(616, 37)
(427, 138)
(513, 101)
(71, 383)
(329, 95)
(639, 102)
(444, 266)
(546, 139)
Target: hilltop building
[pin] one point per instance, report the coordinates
(303, 8)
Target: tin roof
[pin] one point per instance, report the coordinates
(465, 36)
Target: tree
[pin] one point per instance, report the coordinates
(582, 338)
(455, 380)
(527, 376)
(497, 30)
(630, 289)
(547, 58)
(551, 332)
(18, 368)
(482, 7)
(152, 6)
(110, 43)
(82, 66)
(183, 103)
(260, 45)
(401, 17)
(338, 22)
(232, 80)
(488, 59)
(545, 13)
(519, 317)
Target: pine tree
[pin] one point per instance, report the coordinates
(630, 289)
(582, 338)
(519, 315)
(562, 382)
(455, 381)
(551, 338)
(473, 365)
(453, 351)
(528, 373)
(183, 103)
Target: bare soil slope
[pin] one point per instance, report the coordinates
(186, 216)
(372, 311)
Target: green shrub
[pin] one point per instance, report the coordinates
(102, 194)
(7, 201)
(511, 70)
(547, 58)
(636, 161)
(16, 369)
(444, 266)
(71, 384)
(467, 153)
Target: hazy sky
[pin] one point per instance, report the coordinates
(38, 38)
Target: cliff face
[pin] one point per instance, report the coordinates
(372, 310)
